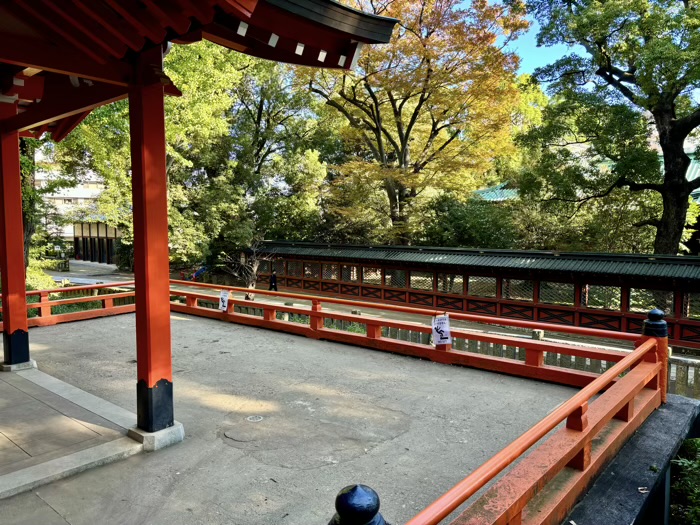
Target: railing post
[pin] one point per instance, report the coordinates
(578, 420)
(374, 331)
(45, 308)
(655, 327)
(626, 412)
(107, 303)
(534, 357)
(269, 313)
(190, 301)
(315, 321)
(357, 505)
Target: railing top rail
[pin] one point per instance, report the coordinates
(79, 300)
(453, 498)
(119, 284)
(575, 330)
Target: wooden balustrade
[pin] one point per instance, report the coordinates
(622, 404)
(534, 365)
(104, 303)
(506, 502)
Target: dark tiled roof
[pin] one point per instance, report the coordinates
(645, 266)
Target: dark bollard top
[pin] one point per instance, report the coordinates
(656, 315)
(357, 505)
(654, 325)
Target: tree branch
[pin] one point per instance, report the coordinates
(648, 222)
(619, 183)
(624, 90)
(684, 126)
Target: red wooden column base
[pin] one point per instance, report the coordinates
(154, 391)
(14, 299)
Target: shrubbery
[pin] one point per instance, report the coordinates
(685, 484)
(37, 279)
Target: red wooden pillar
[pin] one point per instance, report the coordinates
(14, 299)
(154, 391)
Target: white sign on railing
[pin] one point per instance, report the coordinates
(441, 330)
(223, 300)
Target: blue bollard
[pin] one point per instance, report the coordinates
(654, 325)
(357, 505)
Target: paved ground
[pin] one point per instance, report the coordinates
(37, 425)
(91, 271)
(275, 425)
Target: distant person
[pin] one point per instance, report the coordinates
(273, 280)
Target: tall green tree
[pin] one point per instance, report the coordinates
(35, 210)
(631, 59)
(197, 145)
(472, 224)
(274, 173)
(431, 107)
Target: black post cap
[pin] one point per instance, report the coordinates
(654, 325)
(357, 505)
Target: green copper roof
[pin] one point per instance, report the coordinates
(498, 193)
(641, 266)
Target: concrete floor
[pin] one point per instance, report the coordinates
(37, 425)
(275, 425)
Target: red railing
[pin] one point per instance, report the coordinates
(571, 446)
(623, 406)
(48, 301)
(609, 419)
(533, 366)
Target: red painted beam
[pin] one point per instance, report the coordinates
(66, 125)
(256, 43)
(141, 19)
(194, 8)
(111, 23)
(87, 26)
(63, 100)
(244, 8)
(284, 24)
(27, 52)
(168, 15)
(26, 88)
(39, 17)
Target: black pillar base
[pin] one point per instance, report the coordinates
(15, 347)
(154, 406)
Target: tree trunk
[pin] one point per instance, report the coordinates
(398, 196)
(676, 189)
(670, 228)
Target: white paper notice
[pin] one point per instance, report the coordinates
(223, 300)
(441, 330)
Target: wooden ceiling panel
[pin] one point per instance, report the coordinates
(73, 17)
(59, 32)
(140, 18)
(112, 23)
